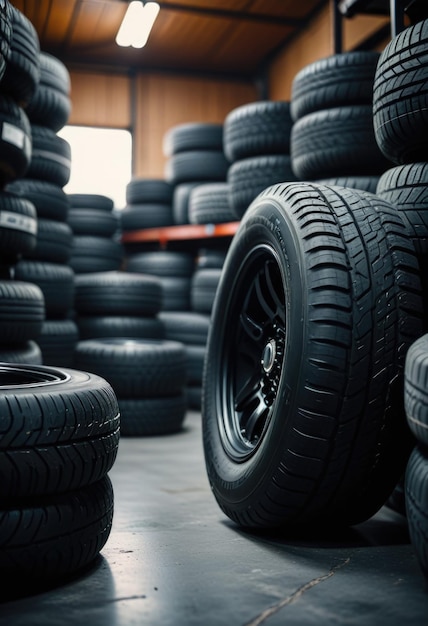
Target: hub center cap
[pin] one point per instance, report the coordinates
(268, 356)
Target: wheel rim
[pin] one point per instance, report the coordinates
(253, 353)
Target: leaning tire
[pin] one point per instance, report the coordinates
(415, 389)
(302, 410)
(416, 490)
(67, 436)
(55, 536)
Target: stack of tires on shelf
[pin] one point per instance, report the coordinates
(59, 428)
(400, 115)
(332, 139)
(319, 320)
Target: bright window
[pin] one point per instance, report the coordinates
(101, 161)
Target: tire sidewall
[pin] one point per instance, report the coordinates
(238, 481)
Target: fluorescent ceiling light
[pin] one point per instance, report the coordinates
(137, 24)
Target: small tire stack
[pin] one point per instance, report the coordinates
(400, 113)
(416, 477)
(22, 307)
(256, 141)
(148, 204)
(195, 156)
(332, 140)
(59, 435)
(47, 265)
(94, 225)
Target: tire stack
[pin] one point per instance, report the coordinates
(400, 111)
(195, 156)
(148, 204)
(48, 264)
(22, 307)
(94, 224)
(332, 139)
(209, 204)
(416, 477)
(59, 439)
(256, 141)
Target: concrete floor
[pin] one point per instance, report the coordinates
(173, 559)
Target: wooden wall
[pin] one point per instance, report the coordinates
(150, 104)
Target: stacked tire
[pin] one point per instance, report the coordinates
(59, 439)
(400, 113)
(209, 204)
(195, 156)
(94, 224)
(333, 139)
(174, 269)
(22, 306)
(47, 265)
(256, 141)
(416, 477)
(148, 204)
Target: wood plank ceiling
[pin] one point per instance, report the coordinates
(227, 37)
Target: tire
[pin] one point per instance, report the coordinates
(175, 293)
(57, 341)
(204, 287)
(194, 397)
(57, 536)
(15, 141)
(54, 242)
(18, 227)
(135, 368)
(93, 222)
(209, 204)
(400, 96)
(193, 136)
(90, 201)
(302, 407)
(336, 142)
(415, 389)
(180, 202)
(249, 177)
(148, 190)
(138, 216)
(22, 73)
(416, 490)
(406, 187)
(22, 312)
(51, 157)
(188, 328)
(51, 105)
(143, 417)
(91, 327)
(50, 201)
(5, 36)
(365, 183)
(195, 357)
(196, 165)
(56, 282)
(66, 438)
(117, 293)
(28, 352)
(335, 81)
(211, 258)
(162, 263)
(257, 128)
(95, 254)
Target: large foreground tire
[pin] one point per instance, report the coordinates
(319, 299)
(55, 536)
(59, 430)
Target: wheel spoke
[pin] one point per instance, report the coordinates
(252, 422)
